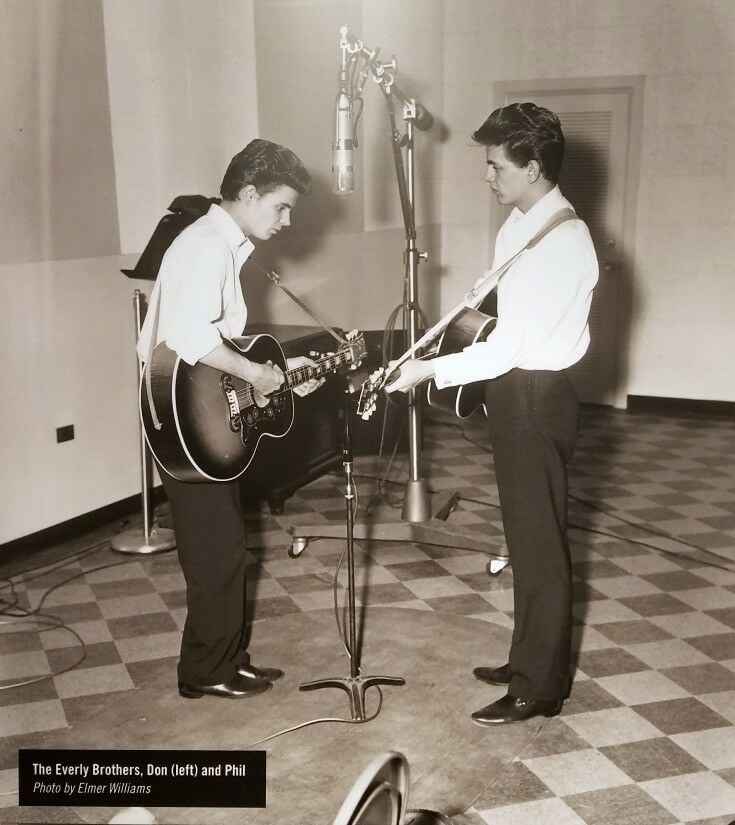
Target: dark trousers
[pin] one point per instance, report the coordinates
(211, 542)
(532, 416)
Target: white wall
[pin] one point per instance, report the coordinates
(66, 322)
(682, 333)
(70, 362)
(183, 101)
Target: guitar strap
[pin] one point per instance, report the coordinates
(275, 279)
(479, 292)
(149, 363)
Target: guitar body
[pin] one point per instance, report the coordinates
(469, 327)
(209, 430)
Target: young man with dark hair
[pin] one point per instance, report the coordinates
(542, 329)
(197, 301)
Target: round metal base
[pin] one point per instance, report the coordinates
(416, 501)
(135, 541)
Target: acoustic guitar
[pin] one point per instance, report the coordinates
(210, 421)
(469, 327)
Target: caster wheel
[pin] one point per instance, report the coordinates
(496, 566)
(297, 547)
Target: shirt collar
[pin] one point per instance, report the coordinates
(528, 223)
(236, 238)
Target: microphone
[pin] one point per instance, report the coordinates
(344, 142)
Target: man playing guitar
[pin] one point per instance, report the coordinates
(542, 328)
(197, 303)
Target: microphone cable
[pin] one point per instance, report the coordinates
(18, 615)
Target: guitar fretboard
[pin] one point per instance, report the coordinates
(297, 376)
(330, 363)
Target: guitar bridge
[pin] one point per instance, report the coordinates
(235, 420)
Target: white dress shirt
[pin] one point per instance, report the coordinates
(543, 299)
(200, 282)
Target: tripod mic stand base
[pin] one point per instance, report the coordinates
(355, 687)
(136, 541)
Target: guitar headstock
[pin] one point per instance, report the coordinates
(368, 400)
(355, 348)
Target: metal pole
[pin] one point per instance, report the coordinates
(150, 539)
(414, 421)
(137, 309)
(350, 512)
(416, 500)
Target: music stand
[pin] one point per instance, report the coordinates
(417, 523)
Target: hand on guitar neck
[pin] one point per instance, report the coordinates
(401, 375)
(409, 375)
(271, 373)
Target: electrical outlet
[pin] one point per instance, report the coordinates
(64, 433)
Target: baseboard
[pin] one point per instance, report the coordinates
(12, 550)
(688, 406)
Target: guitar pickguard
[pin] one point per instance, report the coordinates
(253, 419)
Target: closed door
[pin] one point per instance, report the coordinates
(593, 179)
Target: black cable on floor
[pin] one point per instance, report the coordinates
(43, 569)
(47, 621)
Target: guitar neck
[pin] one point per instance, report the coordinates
(324, 365)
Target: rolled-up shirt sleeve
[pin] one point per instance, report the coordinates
(190, 311)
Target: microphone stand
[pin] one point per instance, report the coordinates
(416, 501)
(417, 524)
(355, 684)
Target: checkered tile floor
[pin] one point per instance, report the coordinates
(646, 737)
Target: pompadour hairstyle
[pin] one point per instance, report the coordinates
(266, 166)
(527, 132)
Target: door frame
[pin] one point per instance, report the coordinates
(633, 86)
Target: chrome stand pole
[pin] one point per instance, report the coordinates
(151, 539)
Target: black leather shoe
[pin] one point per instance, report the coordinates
(273, 674)
(234, 688)
(514, 709)
(494, 675)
